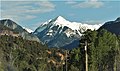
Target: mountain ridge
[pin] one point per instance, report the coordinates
(59, 32)
(112, 26)
(17, 28)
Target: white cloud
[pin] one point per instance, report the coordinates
(46, 4)
(86, 4)
(25, 10)
(90, 4)
(71, 2)
(24, 0)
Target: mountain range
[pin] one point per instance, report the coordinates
(59, 32)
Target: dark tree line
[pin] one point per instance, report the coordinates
(18, 54)
(103, 52)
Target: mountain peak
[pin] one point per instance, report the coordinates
(8, 20)
(118, 19)
(60, 19)
(9, 23)
(61, 22)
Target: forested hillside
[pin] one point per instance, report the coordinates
(18, 54)
(103, 52)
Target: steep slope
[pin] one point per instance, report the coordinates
(28, 30)
(17, 54)
(112, 26)
(59, 32)
(17, 28)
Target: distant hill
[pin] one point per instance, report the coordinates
(112, 26)
(11, 25)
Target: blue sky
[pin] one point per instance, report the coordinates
(31, 13)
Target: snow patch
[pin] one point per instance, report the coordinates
(74, 26)
(28, 30)
(50, 32)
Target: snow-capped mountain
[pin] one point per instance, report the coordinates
(28, 30)
(59, 32)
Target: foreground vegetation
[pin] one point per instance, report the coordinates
(103, 52)
(17, 54)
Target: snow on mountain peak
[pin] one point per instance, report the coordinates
(60, 18)
(61, 22)
(59, 29)
(28, 30)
